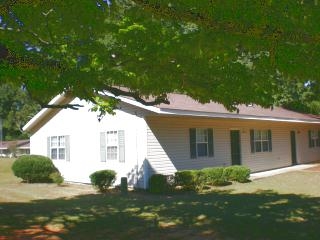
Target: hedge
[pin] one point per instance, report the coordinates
(103, 179)
(214, 176)
(158, 184)
(188, 179)
(34, 168)
(237, 173)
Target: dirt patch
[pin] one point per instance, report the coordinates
(313, 169)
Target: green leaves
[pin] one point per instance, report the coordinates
(16, 108)
(104, 106)
(224, 51)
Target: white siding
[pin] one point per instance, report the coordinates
(84, 130)
(169, 150)
(306, 154)
(161, 143)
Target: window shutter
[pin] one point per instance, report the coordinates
(193, 143)
(103, 147)
(252, 140)
(48, 148)
(210, 142)
(318, 140)
(121, 143)
(270, 140)
(310, 140)
(67, 139)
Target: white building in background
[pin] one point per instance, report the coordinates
(141, 140)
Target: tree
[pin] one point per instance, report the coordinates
(299, 96)
(225, 51)
(16, 108)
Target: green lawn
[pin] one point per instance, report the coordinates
(241, 211)
(13, 190)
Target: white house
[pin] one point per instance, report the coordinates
(141, 140)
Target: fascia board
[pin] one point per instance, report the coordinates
(231, 116)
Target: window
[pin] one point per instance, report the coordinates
(314, 138)
(112, 146)
(260, 141)
(201, 142)
(58, 147)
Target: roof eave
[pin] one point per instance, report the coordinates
(46, 113)
(178, 112)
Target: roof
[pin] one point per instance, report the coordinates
(182, 105)
(20, 144)
(46, 114)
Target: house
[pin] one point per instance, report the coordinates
(141, 140)
(14, 148)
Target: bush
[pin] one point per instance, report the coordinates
(158, 184)
(237, 173)
(34, 168)
(103, 179)
(214, 176)
(57, 178)
(189, 179)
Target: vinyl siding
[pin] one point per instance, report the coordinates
(168, 148)
(304, 153)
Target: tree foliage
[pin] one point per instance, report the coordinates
(230, 52)
(299, 96)
(16, 109)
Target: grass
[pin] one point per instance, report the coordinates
(242, 211)
(13, 190)
(302, 182)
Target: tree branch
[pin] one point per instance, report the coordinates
(118, 92)
(4, 52)
(47, 24)
(38, 37)
(62, 106)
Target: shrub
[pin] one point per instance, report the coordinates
(214, 176)
(34, 168)
(158, 184)
(189, 179)
(237, 173)
(103, 179)
(57, 178)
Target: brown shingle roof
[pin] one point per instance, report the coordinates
(185, 103)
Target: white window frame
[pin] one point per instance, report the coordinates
(202, 139)
(112, 142)
(59, 144)
(313, 138)
(258, 139)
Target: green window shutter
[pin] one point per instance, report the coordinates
(121, 143)
(210, 142)
(252, 140)
(193, 143)
(270, 140)
(103, 149)
(310, 140)
(67, 139)
(48, 148)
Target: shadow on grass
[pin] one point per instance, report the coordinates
(216, 215)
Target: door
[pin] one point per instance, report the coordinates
(235, 147)
(293, 147)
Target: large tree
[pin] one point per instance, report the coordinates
(230, 51)
(16, 108)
